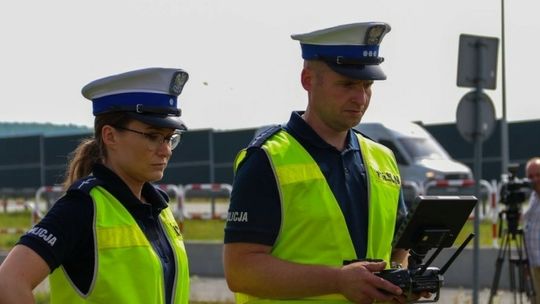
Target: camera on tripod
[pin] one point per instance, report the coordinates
(514, 191)
(434, 222)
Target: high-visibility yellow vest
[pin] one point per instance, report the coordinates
(313, 228)
(127, 269)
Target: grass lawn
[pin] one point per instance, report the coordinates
(204, 230)
(213, 230)
(486, 238)
(193, 229)
(12, 220)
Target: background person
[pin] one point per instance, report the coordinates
(112, 238)
(532, 223)
(313, 193)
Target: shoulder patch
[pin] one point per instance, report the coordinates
(85, 184)
(264, 135)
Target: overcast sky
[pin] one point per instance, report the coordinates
(244, 68)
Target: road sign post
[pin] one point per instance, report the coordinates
(477, 68)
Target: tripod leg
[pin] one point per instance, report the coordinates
(498, 267)
(511, 271)
(520, 263)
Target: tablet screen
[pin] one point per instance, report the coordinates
(434, 221)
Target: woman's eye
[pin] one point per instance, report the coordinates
(153, 137)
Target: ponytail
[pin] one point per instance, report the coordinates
(82, 160)
(91, 151)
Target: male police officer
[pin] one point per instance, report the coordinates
(314, 193)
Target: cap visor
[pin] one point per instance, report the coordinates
(360, 72)
(160, 121)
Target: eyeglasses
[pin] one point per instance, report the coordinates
(155, 140)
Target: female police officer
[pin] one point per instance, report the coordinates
(111, 237)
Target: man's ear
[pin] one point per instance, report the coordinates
(307, 78)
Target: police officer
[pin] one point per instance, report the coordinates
(111, 238)
(314, 193)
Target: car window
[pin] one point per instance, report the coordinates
(422, 148)
(399, 156)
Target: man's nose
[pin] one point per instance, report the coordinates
(361, 95)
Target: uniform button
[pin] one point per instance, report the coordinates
(347, 171)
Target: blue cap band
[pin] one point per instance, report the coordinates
(135, 101)
(359, 52)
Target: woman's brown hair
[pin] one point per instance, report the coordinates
(91, 150)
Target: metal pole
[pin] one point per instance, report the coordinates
(477, 178)
(477, 170)
(504, 124)
(42, 175)
(212, 168)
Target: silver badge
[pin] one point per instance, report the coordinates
(177, 83)
(374, 34)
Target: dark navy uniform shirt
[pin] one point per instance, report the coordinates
(255, 210)
(65, 236)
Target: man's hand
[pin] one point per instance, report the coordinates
(359, 285)
(410, 298)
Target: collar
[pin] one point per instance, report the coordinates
(534, 198)
(118, 188)
(298, 127)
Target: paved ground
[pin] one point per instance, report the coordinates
(210, 289)
(215, 290)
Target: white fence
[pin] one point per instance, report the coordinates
(209, 207)
(211, 201)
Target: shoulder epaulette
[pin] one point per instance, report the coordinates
(85, 184)
(264, 135)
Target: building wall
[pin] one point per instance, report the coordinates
(206, 156)
(523, 142)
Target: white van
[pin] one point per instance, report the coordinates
(420, 157)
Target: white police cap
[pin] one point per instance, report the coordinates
(351, 49)
(148, 95)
